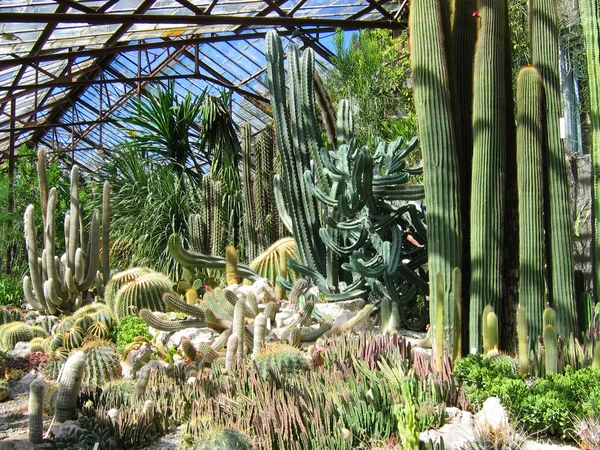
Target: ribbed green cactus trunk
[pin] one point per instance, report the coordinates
(590, 21)
(544, 30)
(248, 240)
(464, 38)
(489, 161)
(297, 141)
(530, 147)
(432, 94)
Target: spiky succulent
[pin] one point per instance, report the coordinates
(281, 358)
(102, 365)
(145, 291)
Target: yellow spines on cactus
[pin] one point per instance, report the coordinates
(188, 349)
(231, 270)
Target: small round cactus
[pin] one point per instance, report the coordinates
(283, 358)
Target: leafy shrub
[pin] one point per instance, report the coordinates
(11, 290)
(127, 329)
(546, 405)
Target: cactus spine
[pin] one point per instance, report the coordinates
(70, 384)
(37, 391)
(530, 141)
(550, 349)
(432, 90)
(489, 163)
(590, 17)
(544, 31)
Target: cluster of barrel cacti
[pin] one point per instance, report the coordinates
(353, 201)
(62, 283)
(473, 175)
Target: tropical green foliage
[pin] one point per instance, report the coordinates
(163, 124)
(149, 202)
(128, 328)
(372, 72)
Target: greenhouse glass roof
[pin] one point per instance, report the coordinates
(68, 69)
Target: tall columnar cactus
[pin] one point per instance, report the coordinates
(590, 17)
(70, 384)
(544, 31)
(297, 141)
(260, 330)
(37, 391)
(239, 326)
(530, 142)
(432, 93)
(231, 266)
(268, 225)
(489, 163)
(249, 234)
(524, 346)
(60, 283)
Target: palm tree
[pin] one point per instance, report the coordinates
(164, 122)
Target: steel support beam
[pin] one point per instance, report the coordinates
(161, 19)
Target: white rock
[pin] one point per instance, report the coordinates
(492, 416)
(135, 359)
(456, 433)
(263, 290)
(21, 349)
(281, 318)
(196, 335)
(344, 311)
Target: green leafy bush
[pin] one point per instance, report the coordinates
(546, 405)
(11, 290)
(127, 329)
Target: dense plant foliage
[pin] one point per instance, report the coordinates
(128, 328)
(545, 405)
(149, 202)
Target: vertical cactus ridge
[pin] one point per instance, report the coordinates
(248, 219)
(590, 18)
(530, 142)
(297, 142)
(439, 325)
(550, 349)
(458, 312)
(239, 326)
(37, 391)
(106, 232)
(70, 384)
(143, 292)
(544, 32)
(524, 345)
(464, 38)
(102, 363)
(432, 94)
(488, 173)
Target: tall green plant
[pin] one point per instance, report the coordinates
(149, 202)
(162, 124)
(544, 30)
(370, 71)
(590, 17)
(432, 91)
